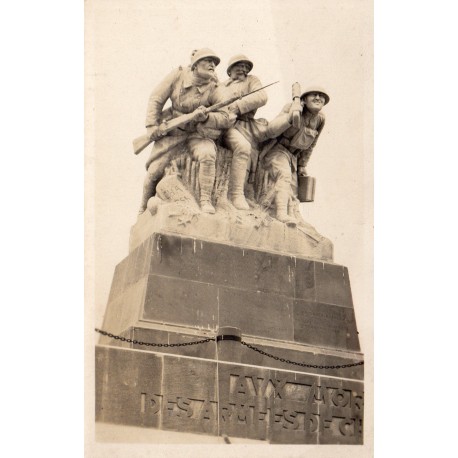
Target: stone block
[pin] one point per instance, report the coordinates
(332, 284)
(222, 264)
(182, 302)
(123, 377)
(341, 410)
(257, 313)
(125, 308)
(325, 325)
(189, 392)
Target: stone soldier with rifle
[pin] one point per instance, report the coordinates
(190, 90)
(240, 139)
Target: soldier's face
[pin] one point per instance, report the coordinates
(314, 101)
(205, 68)
(239, 71)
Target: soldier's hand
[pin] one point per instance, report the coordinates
(156, 132)
(302, 171)
(199, 114)
(233, 108)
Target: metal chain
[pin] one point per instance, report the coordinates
(262, 352)
(314, 366)
(150, 344)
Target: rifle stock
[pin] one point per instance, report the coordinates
(140, 143)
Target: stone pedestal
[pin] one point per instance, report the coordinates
(173, 289)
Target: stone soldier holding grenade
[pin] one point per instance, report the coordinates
(291, 152)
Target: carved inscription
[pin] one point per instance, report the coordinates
(262, 406)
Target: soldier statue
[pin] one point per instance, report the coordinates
(289, 154)
(239, 139)
(190, 90)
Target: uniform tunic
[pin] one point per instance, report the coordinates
(243, 137)
(185, 94)
(293, 147)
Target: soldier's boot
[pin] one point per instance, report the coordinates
(236, 184)
(206, 182)
(149, 190)
(281, 204)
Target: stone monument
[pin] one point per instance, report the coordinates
(229, 321)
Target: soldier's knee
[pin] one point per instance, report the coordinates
(243, 152)
(206, 153)
(154, 172)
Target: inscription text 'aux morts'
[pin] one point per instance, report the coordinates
(278, 403)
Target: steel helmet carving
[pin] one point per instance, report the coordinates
(316, 89)
(239, 58)
(200, 54)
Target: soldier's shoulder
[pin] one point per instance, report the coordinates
(181, 69)
(252, 78)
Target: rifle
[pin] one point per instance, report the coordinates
(140, 143)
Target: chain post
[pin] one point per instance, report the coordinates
(228, 345)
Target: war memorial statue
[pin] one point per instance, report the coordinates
(247, 323)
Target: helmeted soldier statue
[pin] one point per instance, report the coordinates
(240, 138)
(190, 89)
(291, 152)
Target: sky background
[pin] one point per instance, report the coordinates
(131, 46)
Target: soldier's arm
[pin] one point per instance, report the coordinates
(280, 123)
(223, 118)
(158, 97)
(252, 101)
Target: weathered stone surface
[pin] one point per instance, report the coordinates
(182, 281)
(172, 300)
(332, 284)
(122, 379)
(248, 229)
(224, 264)
(325, 325)
(216, 398)
(173, 289)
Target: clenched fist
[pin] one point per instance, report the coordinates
(302, 171)
(199, 114)
(156, 132)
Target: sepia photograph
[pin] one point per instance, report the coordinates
(229, 227)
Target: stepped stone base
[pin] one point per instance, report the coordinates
(175, 289)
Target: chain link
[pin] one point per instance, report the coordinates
(314, 366)
(251, 347)
(150, 344)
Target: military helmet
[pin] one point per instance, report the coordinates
(316, 89)
(200, 54)
(236, 59)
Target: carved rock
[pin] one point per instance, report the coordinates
(174, 209)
